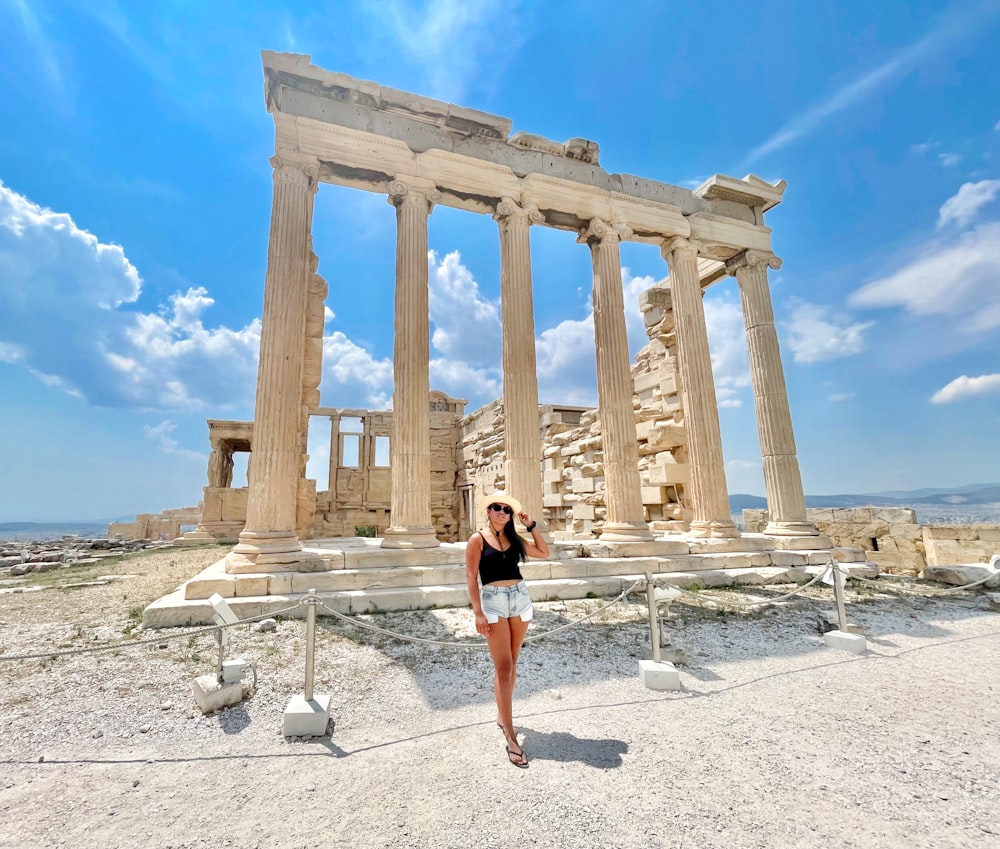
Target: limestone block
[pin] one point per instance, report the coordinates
(251, 585)
(962, 574)
(659, 676)
(211, 696)
(203, 588)
(789, 558)
(669, 473)
(895, 515)
(553, 501)
(584, 485)
(280, 583)
(653, 494)
(854, 643)
(306, 718)
(582, 510)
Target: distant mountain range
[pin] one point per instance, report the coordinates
(973, 494)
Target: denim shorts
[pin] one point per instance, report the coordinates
(506, 602)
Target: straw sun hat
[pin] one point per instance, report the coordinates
(501, 497)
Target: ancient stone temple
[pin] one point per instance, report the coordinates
(646, 465)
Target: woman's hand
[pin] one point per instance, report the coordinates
(482, 624)
(525, 519)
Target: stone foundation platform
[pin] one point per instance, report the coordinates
(362, 577)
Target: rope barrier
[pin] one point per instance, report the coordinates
(700, 597)
(748, 604)
(481, 645)
(208, 629)
(930, 592)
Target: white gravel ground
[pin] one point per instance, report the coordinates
(774, 740)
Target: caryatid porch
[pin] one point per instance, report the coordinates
(420, 152)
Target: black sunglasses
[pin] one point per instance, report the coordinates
(498, 507)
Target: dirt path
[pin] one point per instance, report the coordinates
(775, 739)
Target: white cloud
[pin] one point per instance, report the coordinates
(944, 34)
(838, 397)
(65, 312)
(957, 276)
(160, 435)
(949, 160)
(352, 377)
(817, 333)
(466, 325)
(41, 44)
(962, 208)
(727, 342)
(964, 387)
(451, 41)
(924, 147)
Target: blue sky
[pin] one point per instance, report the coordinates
(135, 197)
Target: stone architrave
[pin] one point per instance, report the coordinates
(786, 503)
(523, 444)
(411, 522)
(269, 541)
(625, 521)
(710, 497)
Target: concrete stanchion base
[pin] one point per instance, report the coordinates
(212, 696)
(306, 718)
(854, 643)
(659, 676)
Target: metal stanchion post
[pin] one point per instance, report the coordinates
(838, 593)
(311, 601)
(308, 715)
(656, 674)
(654, 625)
(842, 638)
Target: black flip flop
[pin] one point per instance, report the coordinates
(522, 764)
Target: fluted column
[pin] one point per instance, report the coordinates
(786, 503)
(709, 493)
(623, 496)
(269, 541)
(411, 523)
(522, 438)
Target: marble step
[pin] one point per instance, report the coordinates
(177, 610)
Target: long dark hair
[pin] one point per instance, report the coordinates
(514, 538)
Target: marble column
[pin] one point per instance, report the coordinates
(786, 503)
(522, 438)
(625, 521)
(709, 494)
(269, 542)
(411, 524)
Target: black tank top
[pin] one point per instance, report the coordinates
(497, 565)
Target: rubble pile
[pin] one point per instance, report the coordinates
(22, 558)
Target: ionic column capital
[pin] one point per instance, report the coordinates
(599, 230)
(508, 209)
(677, 244)
(752, 259)
(296, 168)
(413, 191)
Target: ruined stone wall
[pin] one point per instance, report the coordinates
(946, 545)
(361, 496)
(156, 526)
(892, 537)
(573, 483)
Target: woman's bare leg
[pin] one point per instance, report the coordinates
(505, 639)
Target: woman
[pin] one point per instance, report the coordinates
(503, 609)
